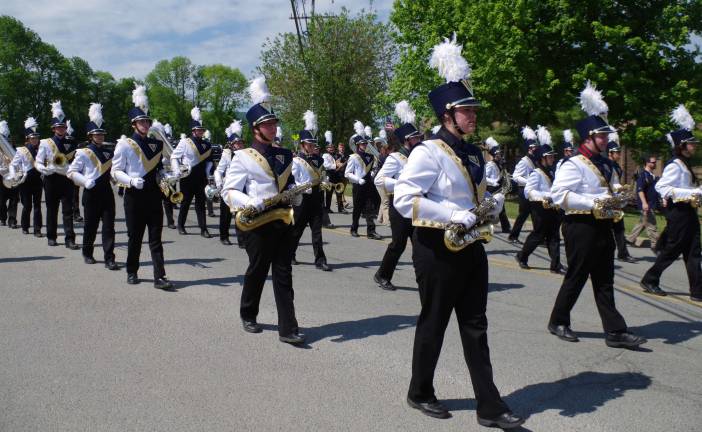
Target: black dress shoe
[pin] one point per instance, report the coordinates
(182, 231)
(329, 226)
(132, 279)
(293, 338)
(72, 245)
(507, 420)
(513, 240)
(294, 262)
(210, 215)
(561, 269)
(624, 340)
(111, 265)
(433, 409)
(384, 283)
(89, 260)
(251, 326)
(225, 242)
(52, 243)
(374, 236)
(652, 289)
(163, 283)
(171, 225)
(563, 332)
(696, 299)
(36, 234)
(24, 231)
(204, 233)
(627, 258)
(522, 263)
(13, 225)
(323, 266)
(354, 233)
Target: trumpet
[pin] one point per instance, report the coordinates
(326, 186)
(166, 186)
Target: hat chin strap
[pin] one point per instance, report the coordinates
(452, 113)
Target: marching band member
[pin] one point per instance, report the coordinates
(341, 159)
(567, 148)
(8, 196)
(678, 186)
(91, 170)
(520, 175)
(30, 190)
(168, 206)
(137, 165)
(614, 153)
(443, 181)
(254, 174)
(358, 171)
(309, 167)
(52, 161)
(387, 176)
(543, 212)
(494, 178)
(70, 139)
(195, 152)
(278, 137)
(332, 174)
(225, 215)
(584, 188)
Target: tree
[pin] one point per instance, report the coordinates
(346, 66)
(221, 93)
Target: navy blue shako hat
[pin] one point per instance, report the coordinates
(30, 128)
(94, 126)
(261, 111)
(309, 133)
(140, 110)
(686, 123)
(58, 118)
(593, 104)
(195, 119)
(406, 114)
(457, 92)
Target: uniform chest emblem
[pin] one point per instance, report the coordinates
(280, 158)
(152, 146)
(106, 155)
(474, 160)
(315, 163)
(66, 146)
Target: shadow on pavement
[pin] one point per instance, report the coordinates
(496, 287)
(671, 332)
(28, 258)
(366, 264)
(579, 394)
(351, 330)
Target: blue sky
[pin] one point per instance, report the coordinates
(128, 37)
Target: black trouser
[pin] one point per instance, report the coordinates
(451, 281)
(59, 189)
(309, 212)
(225, 220)
(546, 226)
(682, 237)
(524, 211)
(401, 231)
(99, 205)
(168, 209)
(76, 203)
(504, 220)
(620, 239)
(210, 204)
(365, 201)
(193, 186)
(8, 204)
(270, 247)
(240, 235)
(590, 251)
(142, 209)
(30, 194)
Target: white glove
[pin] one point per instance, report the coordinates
(137, 182)
(89, 184)
(463, 217)
(500, 198)
(256, 203)
(296, 200)
(361, 181)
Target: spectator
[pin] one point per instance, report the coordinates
(648, 203)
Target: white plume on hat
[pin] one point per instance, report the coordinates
(258, 90)
(183, 136)
(279, 132)
(95, 114)
(328, 137)
(57, 111)
(528, 133)
(69, 128)
(435, 129)
(544, 135)
(446, 58)
(681, 116)
(168, 129)
(383, 134)
(591, 101)
(404, 112)
(368, 131)
(235, 128)
(358, 128)
(568, 136)
(140, 99)
(491, 143)
(4, 129)
(207, 135)
(30, 123)
(614, 137)
(310, 119)
(195, 114)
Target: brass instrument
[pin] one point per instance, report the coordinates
(326, 186)
(60, 160)
(611, 207)
(695, 200)
(548, 204)
(248, 218)
(339, 187)
(457, 236)
(166, 186)
(211, 190)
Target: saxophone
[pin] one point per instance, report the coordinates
(611, 207)
(248, 218)
(457, 236)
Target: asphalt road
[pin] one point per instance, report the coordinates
(84, 351)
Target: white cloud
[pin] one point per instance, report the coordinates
(127, 38)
